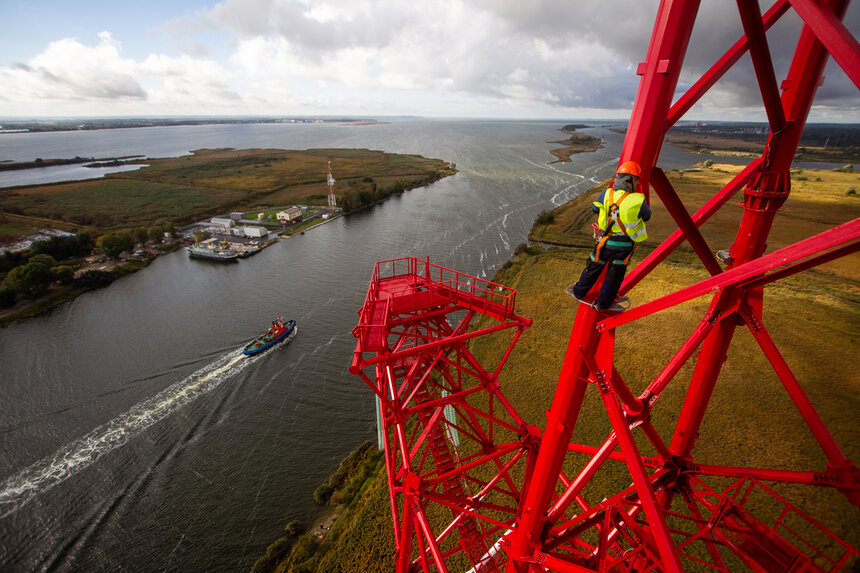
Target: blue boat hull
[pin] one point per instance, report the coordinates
(291, 326)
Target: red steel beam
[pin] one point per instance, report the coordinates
(660, 72)
(804, 405)
(685, 223)
(847, 233)
(713, 205)
(762, 63)
(670, 561)
(729, 59)
(762, 198)
(831, 32)
(562, 416)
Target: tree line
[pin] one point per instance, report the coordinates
(31, 273)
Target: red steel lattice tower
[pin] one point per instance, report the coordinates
(332, 201)
(502, 498)
(452, 440)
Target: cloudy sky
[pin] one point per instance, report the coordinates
(436, 58)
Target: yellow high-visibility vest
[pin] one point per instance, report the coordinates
(628, 214)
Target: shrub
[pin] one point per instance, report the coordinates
(64, 274)
(277, 550)
(32, 279)
(295, 527)
(527, 249)
(304, 549)
(545, 218)
(94, 278)
(323, 493)
(7, 296)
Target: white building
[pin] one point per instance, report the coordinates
(254, 231)
(290, 215)
(223, 222)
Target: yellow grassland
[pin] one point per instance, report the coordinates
(813, 317)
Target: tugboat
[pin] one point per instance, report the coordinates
(280, 330)
(209, 250)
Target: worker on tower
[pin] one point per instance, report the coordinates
(622, 212)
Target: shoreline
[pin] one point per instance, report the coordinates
(61, 295)
(576, 143)
(367, 181)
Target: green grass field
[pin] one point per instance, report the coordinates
(812, 316)
(216, 181)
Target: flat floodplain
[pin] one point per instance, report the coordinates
(216, 181)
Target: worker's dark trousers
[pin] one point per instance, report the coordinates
(614, 258)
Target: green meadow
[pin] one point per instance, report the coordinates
(216, 181)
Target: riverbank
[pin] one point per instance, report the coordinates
(305, 549)
(824, 299)
(178, 191)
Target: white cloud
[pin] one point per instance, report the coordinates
(71, 78)
(481, 57)
(70, 70)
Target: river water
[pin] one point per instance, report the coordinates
(134, 435)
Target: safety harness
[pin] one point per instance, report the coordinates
(612, 219)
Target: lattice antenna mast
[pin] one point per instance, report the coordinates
(332, 202)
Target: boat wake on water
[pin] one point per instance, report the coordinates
(76, 456)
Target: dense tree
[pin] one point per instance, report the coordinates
(365, 197)
(9, 260)
(295, 527)
(201, 235)
(41, 259)
(31, 280)
(94, 278)
(112, 245)
(323, 493)
(155, 233)
(7, 296)
(64, 247)
(63, 274)
(139, 235)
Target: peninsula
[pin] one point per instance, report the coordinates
(102, 228)
(576, 143)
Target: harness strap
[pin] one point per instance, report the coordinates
(627, 259)
(599, 246)
(613, 216)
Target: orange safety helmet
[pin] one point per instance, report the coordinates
(630, 168)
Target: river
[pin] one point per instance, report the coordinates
(134, 435)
